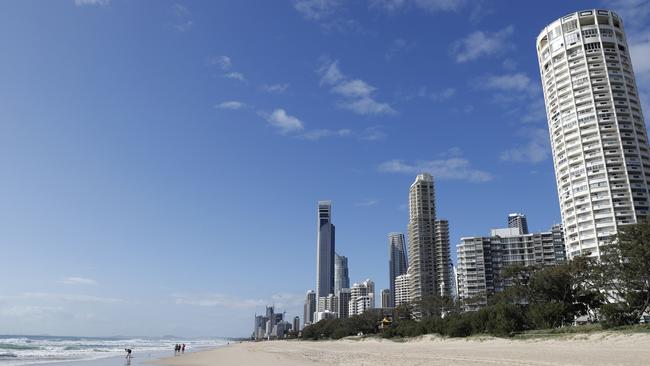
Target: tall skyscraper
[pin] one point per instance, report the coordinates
(296, 324)
(443, 257)
(518, 220)
(310, 308)
(325, 251)
(598, 134)
(428, 250)
(341, 277)
(397, 263)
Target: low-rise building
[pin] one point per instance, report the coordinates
(482, 258)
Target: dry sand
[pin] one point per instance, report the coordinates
(592, 350)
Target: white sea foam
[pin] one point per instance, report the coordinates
(23, 350)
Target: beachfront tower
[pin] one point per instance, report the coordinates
(597, 131)
(518, 220)
(397, 261)
(421, 227)
(325, 251)
(341, 277)
(310, 307)
(442, 257)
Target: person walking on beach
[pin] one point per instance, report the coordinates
(183, 348)
(128, 353)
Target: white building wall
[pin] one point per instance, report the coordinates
(598, 134)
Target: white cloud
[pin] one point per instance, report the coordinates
(323, 133)
(442, 95)
(367, 203)
(235, 76)
(224, 62)
(231, 104)
(281, 300)
(92, 2)
(218, 300)
(275, 88)
(180, 10)
(431, 6)
(330, 73)
(481, 43)
(373, 133)
(536, 149)
(183, 23)
(30, 311)
(399, 45)
(78, 281)
(62, 297)
(356, 94)
(446, 168)
(354, 89)
(316, 9)
(508, 82)
(284, 122)
(367, 106)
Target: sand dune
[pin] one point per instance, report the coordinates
(592, 350)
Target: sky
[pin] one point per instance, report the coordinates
(161, 161)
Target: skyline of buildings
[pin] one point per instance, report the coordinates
(601, 160)
(598, 134)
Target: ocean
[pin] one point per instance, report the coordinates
(30, 350)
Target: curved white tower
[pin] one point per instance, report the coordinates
(598, 135)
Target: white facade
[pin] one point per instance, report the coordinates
(360, 304)
(598, 135)
(402, 289)
(362, 297)
(482, 259)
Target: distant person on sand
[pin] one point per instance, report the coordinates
(175, 349)
(183, 348)
(128, 353)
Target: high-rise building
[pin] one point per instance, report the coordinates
(422, 214)
(386, 298)
(598, 134)
(362, 297)
(296, 324)
(428, 250)
(310, 308)
(397, 264)
(341, 277)
(343, 298)
(402, 290)
(481, 260)
(518, 220)
(443, 257)
(325, 251)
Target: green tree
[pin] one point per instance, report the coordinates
(623, 274)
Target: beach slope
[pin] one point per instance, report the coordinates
(592, 350)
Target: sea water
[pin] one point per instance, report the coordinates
(27, 350)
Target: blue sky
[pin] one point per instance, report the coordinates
(161, 161)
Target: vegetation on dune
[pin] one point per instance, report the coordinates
(613, 291)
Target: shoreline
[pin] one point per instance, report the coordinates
(593, 349)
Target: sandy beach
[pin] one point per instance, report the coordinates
(593, 350)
